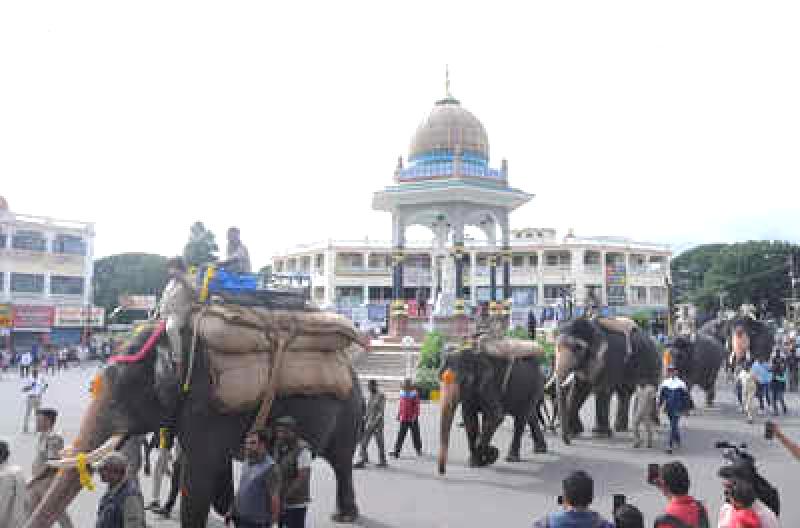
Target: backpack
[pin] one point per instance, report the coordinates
(674, 522)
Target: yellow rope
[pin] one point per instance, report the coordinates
(83, 472)
(162, 437)
(209, 275)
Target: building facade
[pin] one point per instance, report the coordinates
(45, 280)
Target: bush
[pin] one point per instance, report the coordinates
(430, 354)
(427, 379)
(642, 320)
(518, 333)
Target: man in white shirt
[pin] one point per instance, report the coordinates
(12, 491)
(25, 361)
(34, 388)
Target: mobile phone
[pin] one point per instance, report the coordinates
(769, 430)
(653, 471)
(560, 500)
(619, 500)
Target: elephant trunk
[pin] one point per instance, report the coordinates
(562, 381)
(66, 484)
(449, 401)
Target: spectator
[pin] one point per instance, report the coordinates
(165, 442)
(25, 362)
(12, 491)
(747, 388)
(674, 397)
(577, 496)
(793, 448)
(122, 506)
(778, 384)
(174, 485)
(531, 324)
(742, 498)
(34, 389)
(408, 415)
(293, 456)
(48, 446)
(628, 516)
(761, 372)
(373, 426)
(683, 508)
(257, 502)
(766, 505)
(792, 362)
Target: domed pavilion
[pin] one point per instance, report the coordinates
(448, 184)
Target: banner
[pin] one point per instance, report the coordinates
(33, 317)
(79, 316)
(41, 262)
(6, 316)
(137, 302)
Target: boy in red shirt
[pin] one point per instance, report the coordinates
(742, 497)
(408, 415)
(674, 484)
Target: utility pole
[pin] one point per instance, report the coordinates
(668, 284)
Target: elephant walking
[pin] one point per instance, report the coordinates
(489, 388)
(698, 362)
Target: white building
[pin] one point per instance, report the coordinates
(45, 279)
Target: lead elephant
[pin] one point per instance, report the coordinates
(698, 362)
(489, 388)
(127, 402)
(591, 360)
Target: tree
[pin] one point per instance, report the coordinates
(127, 274)
(201, 247)
(265, 273)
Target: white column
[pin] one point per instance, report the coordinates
(366, 259)
(330, 276)
(366, 294)
(540, 277)
(89, 267)
(473, 277)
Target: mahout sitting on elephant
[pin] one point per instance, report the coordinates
(591, 360)
(218, 405)
(490, 385)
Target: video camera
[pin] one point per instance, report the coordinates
(736, 454)
(741, 464)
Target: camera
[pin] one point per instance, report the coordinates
(653, 473)
(560, 500)
(619, 500)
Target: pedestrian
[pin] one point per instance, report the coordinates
(408, 415)
(422, 303)
(792, 363)
(51, 363)
(293, 455)
(34, 388)
(577, 496)
(748, 388)
(48, 446)
(531, 324)
(778, 384)
(742, 496)
(682, 509)
(132, 449)
(122, 505)
(763, 377)
(63, 358)
(257, 503)
(373, 426)
(644, 411)
(12, 491)
(166, 440)
(25, 362)
(673, 396)
(175, 483)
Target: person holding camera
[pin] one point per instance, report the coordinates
(735, 474)
(578, 494)
(682, 510)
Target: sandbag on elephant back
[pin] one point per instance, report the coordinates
(233, 329)
(238, 380)
(511, 348)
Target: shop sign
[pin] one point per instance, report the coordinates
(137, 302)
(6, 316)
(79, 316)
(33, 317)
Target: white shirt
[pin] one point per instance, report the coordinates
(35, 387)
(26, 359)
(765, 516)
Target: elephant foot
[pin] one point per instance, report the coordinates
(602, 432)
(345, 518)
(474, 461)
(621, 428)
(513, 457)
(541, 448)
(489, 456)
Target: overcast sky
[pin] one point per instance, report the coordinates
(675, 122)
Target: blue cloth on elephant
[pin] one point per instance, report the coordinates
(573, 519)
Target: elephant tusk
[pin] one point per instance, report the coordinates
(92, 458)
(568, 381)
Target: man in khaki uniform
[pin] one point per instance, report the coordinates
(48, 445)
(644, 409)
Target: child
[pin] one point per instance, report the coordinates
(644, 409)
(742, 497)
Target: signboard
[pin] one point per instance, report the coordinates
(40, 262)
(137, 302)
(6, 316)
(33, 317)
(79, 316)
(615, 283)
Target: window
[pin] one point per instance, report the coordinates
(2, 281)
(27, 283)
(533, 260)
(319, 262)
(594, 293)
(591, 258)
(3, 238)
(66, 285)
(658, 295)
(518, 261)
(638, 295)
(553, 291)
(70, 244)
(616, 295)
(30, 240)
(561, 258)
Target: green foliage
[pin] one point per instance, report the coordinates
(430, 353)
(201, 247)
(127, 274)
(518, 332)
(747, 272)
(642, 319)
(265, 273)
(549, 350)
(427, 378)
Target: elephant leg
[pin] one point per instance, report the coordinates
(516, 439)
(224, 494)
(602, 402)
(346, 508)
(623, 409)
(539, 443)
(472, 429)
(199, 485)
(491, 421)
(578, 394)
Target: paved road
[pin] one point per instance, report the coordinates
(410, 494)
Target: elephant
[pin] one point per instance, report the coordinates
(591, 360)
(491, 387)
(698, 362)
(756, 339)
(127, 401)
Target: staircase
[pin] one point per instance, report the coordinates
(386, 363)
